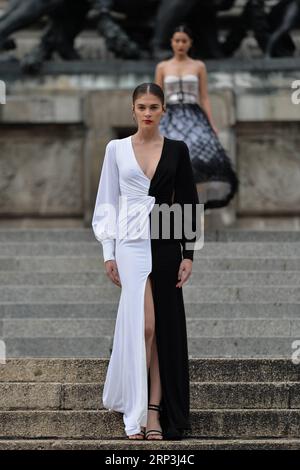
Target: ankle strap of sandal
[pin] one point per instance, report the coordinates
(154, 407)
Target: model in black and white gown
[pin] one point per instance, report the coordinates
(139, 256)
(186, 120)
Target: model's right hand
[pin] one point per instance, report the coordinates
(112, 272)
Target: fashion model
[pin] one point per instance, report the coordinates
(148, 373)
(189, 118)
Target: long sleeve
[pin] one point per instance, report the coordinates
(186, 193)
(104, 221)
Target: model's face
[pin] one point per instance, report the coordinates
(148, 110)
(181, 43)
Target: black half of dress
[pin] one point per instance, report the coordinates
(172, 184)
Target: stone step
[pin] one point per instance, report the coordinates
(76, 371)
(244, 347)
(100, 328)
(58, 235)
(93, 347)
(251, 222)
(92, 310)
(79, 347)
(211, 250)
(86, 234)
(99, 278)
(78, 264)
(203, 395)
(94, 424)
(248, 278)
(127, 444)
(31, 294)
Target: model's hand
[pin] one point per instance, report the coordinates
(185, 270)
(112, 271)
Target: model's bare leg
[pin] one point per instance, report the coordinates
(149, 321)
(149, 330)
(155, 389)
(152, 362)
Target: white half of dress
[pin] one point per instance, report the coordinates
(125, 237)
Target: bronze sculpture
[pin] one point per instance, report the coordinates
(144, 32)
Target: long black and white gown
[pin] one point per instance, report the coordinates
(186, 120)
(126, 188)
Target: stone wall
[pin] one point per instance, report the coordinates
(54, 129)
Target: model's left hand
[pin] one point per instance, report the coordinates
(185, 270)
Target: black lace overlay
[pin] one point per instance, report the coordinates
(216, 179)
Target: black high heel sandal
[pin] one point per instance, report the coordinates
(153, 431)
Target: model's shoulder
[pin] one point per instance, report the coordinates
(114, 142)
(179, 147)
(201, 65)
(162, 64)
(176, 142)
(123, 140)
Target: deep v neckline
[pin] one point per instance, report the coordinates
(137, 163)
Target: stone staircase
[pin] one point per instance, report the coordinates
(242, 300)
(235, 404)
(57, 311)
